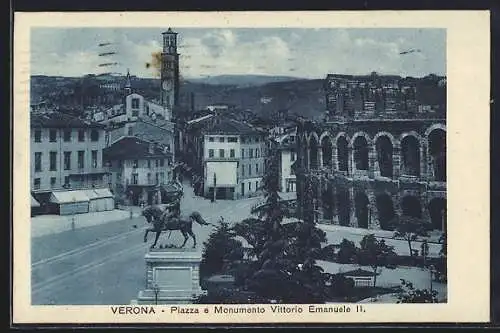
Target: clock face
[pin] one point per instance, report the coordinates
(167, 85)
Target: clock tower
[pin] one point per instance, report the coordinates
(169, 72)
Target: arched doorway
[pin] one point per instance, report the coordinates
(362, 209)
(326, 147)
(313, 153)
(385, 208)
(344, 206)
(410, 149)
(437, 212)
(342, 153)
(411, 206)
(437, 152)
(384, 156)
(361, 153)
(328, 202)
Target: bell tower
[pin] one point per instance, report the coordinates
(169, 72)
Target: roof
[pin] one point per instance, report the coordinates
(131, 147)
(358, 272)
(68, 197)
(34, 202)
(192, 121)
(98, 193)
(60, 120)
(222, 125)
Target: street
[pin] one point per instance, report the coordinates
(104, 264)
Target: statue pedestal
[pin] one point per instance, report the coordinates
(172, 277)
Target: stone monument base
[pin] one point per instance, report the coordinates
(172, 277)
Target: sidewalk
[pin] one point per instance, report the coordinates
(52, 224)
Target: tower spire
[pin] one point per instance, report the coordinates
(128, 84)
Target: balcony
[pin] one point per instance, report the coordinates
(88, 171)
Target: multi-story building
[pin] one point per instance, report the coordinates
(288, 155)
(66, 154)
(140, 170)
(227, 155)
(367, 171)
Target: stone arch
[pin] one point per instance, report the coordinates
(313, 151)
(342, 145)
(410, 154)
(362, 209)
(343, 206)
(391, 137)
(357, 135)
(326, 150)
(434, 127)
(384, 148)
(437, 153)
(410, 206)
(386, 212)
(437, 213)
(360, 149)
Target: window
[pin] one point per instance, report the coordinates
(292, 156)
(53, 161)
(38, 162)
(157, 176)
(231, 153)
(81, 135)
(211, 139)
(67, 160)
(210, 153)
(242, 153)
(36, 183)
(120, 163)
(129, 131)
(67, 135)
(52, 135)
(249, 170)
(157, 163)
(256, 152)
(256, 185)
(52, 182)
(135, 178)
(232, 139)
(94, 158)
(150, 181)
(135, 164)
(38, 135)
(135, 113)
(66, 180)
(162, 178)
(94, 135)
(256, 168)
(257, 139)
(243, 170)
(243, 140)
(221, 139)
(251, 153)
(162, 162)
(135, 103)
(221, 153)
(249, 186)
(149, 163)
(81, 159)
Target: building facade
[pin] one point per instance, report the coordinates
(225, 155)
(366, 171)
(140, 170)
(286, 143)
(66, 154)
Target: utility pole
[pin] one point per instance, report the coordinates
(215, 188)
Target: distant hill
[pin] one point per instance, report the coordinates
(241, 80)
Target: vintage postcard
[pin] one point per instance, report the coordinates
(251, 167)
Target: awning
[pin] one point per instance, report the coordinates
(103, 193)
(68, 197)
(34, 202)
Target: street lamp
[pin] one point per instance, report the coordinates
(156, 290)
(73, 216)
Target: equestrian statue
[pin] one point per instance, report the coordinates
(171, 219)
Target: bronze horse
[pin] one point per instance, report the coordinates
(171, 220)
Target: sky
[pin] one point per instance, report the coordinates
(307, 53)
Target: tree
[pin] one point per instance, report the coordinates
(411, 295)
(347, 252)
(220, 248)
(410, 228)
(441, 262)
(375, 253)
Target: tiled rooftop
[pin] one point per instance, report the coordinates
(60, 120)
(130, 147)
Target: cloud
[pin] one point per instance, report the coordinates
(298, 52)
